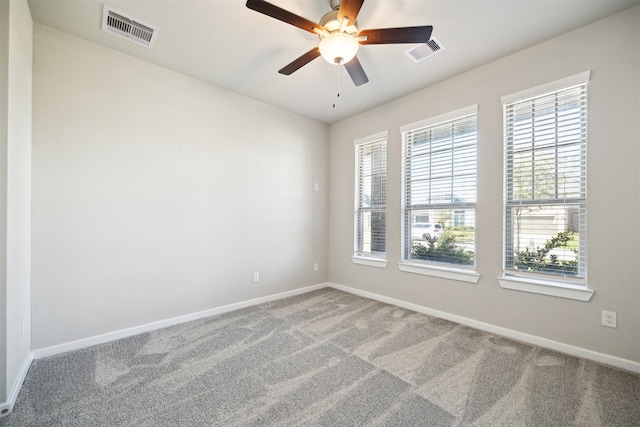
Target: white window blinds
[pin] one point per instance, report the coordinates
(545, 181)
(370, 196)
(439, 189)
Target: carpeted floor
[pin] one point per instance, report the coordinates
(325, 358)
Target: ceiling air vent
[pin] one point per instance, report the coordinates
(134, 30)
(425, 50)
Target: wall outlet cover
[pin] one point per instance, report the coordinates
(609, 319)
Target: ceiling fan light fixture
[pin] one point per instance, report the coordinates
(338, 48)
(339, 35)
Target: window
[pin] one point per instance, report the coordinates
(370, 196)
(439, 190)
(545, 137)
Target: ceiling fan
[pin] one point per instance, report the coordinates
(339, 35)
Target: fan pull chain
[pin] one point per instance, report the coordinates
(336, 84)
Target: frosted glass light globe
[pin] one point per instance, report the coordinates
(338, 48)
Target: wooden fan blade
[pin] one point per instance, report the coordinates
(282, 15)
(397, 35)
(349, 9)
(300, 62)
(356, 72)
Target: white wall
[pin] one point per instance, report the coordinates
(15, 167)
(4, 113)
(156, 195)
(610, 48)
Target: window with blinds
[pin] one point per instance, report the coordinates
(439, 189)
(545, 136)
(370, 196)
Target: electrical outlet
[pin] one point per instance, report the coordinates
(609, 319)
(256, 277)
(315, 267)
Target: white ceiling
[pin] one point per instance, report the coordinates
(224, 43)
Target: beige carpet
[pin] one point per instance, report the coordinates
(325, 358)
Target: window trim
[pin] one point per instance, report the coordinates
(545, 284)
(373, 259)
(445, 117)
(553, 86)
(459, 274)
(546, 287)
(369, 261)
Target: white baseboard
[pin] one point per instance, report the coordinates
(124, 333)
(606, 359)
(7, 407)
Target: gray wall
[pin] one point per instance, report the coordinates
(610, 48)
(157, 195)
(15, 189)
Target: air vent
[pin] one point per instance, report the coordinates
(423, 51)
(134, 30)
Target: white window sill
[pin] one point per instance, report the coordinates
(442, 272)
(546, 287)
(371, 262)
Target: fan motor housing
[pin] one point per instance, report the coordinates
(330, 23)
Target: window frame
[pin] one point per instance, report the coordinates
(360, 256)
(560, 285)
(460, 272)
